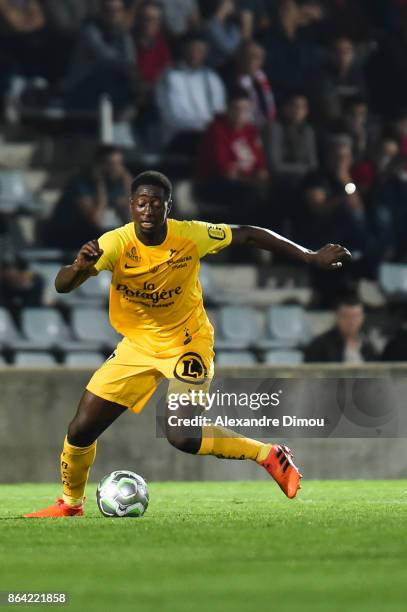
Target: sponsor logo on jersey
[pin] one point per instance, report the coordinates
(181, 262)
(148, 293)
(133, 255)
(191, 368)
(216, 232)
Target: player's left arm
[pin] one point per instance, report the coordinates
(329, 256)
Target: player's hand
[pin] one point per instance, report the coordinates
(88, 255)
(331, 256)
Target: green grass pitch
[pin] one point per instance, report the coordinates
(216, 547)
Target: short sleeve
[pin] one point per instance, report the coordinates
(210, 238)
(111, 244)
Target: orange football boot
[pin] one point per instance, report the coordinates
(59, 509)
(279, 464)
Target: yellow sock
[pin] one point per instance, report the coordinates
(227, 444)
(75, 465)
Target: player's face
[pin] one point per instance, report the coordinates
(350, 320)
(149, 209)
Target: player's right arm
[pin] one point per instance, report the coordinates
(70, 277)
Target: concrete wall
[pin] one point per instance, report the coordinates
(36, 406)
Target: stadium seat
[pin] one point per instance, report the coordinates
(85, 359)
(9, 335)
(48, 272)
(286, 328)
(213, 317)
(91, 326)
(232, 284)
(3, 362)
(187, 207)
(284, 357)
(34, 359)
(319, 321)
(97, 287)
(238, 327)
(235, 358)
(44, 328)
(14, 193)
(206, 280)
(393, 279)
(93, 292)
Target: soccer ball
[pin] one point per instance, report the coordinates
(122, 493)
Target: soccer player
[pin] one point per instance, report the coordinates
(156, 304)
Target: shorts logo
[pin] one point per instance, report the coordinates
(216, 232)
(191, 368)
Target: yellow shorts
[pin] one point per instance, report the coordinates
(129, 376)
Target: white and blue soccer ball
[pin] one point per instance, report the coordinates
(122, 493)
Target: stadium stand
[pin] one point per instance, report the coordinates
(235, 358)
(32, 359)
(85, 359)
(358, 122)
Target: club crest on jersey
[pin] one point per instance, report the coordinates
(216, 232)
(191, 368)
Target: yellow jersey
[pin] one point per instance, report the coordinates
(155, 294)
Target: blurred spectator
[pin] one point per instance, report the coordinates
(19, 286)
(389, 160)
(180, 16)
(396, 347)
(231, 166)
(103, 62)
(340, 79)
(311, 11)
(189, 96)
(94, 201)
(323, 216)
(319, 217)
(364, 132)
(153, 52)
(401, 130)
(250, 76)
(26, 40)
(69, 15)
(352, 17)
(290, 56)
(389, 193)
(387, 68)
(346, 342)
(339, 168)
(293, 145)
(223, 30)
(254, 17)
(23, 16)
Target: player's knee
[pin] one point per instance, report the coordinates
(79, 434)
